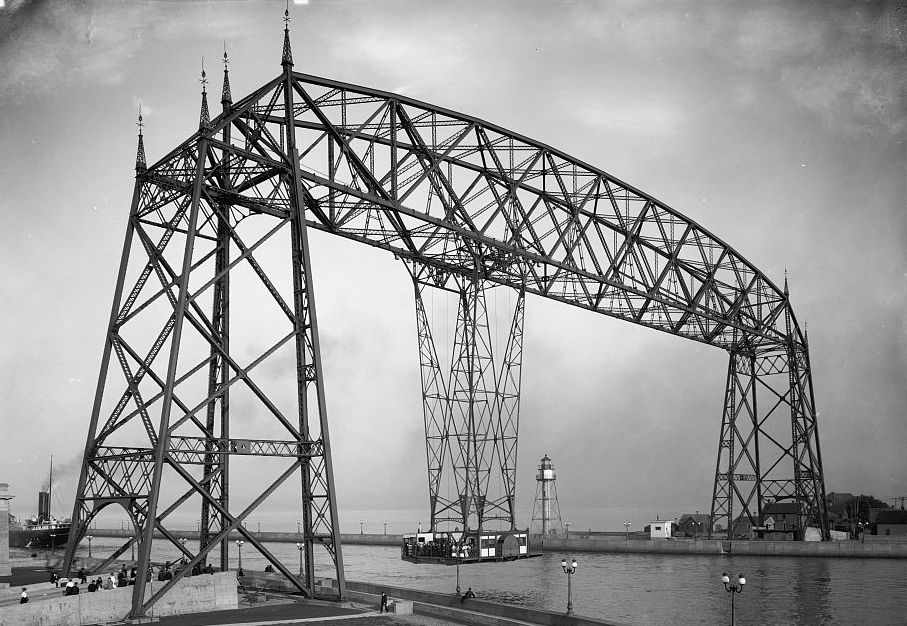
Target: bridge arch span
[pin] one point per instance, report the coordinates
(465, 203)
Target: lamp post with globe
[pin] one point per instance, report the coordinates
(239, 543)
(733, 589)
(569, 570)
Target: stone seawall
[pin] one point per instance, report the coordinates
(439, 605)
(843, 549)
(203, 593)
(423, 601)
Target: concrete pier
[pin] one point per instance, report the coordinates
(619, 544)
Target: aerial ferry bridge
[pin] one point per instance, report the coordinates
(216, 259)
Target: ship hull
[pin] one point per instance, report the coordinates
(38, 537)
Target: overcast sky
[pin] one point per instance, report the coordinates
(780, 127)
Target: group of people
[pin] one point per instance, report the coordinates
(121, 578)
(166, 571)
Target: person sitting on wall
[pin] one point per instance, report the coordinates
(55, 578)
(469, 594)
(269, 568)
(209, 569)
(132, 576)
(70, 589)
(92, 587)
(24, 597)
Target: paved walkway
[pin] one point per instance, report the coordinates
(285, 614)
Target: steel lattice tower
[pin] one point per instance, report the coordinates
(191, 409)
(767, 382)
(471, 412)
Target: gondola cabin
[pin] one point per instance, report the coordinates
(448, 548)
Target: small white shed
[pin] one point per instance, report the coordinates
(660, 529)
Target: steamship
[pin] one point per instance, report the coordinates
(41, 530)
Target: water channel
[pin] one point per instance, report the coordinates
(641, 588)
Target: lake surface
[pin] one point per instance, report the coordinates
(638, 588)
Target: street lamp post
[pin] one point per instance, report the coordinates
(299, 547)
(360, 527)
(259, 528)
(183, 544)
(89, 537)
(459, 554)
(627, 531)
(239, 543)
(298, 527)
(569, 570)
(385, 526)
(567, 532)
(733, 589)
(458, 575)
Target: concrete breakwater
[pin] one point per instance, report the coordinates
(366, 540)
(610, 544)
(846, 549)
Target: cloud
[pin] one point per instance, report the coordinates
(46, 45)
(845, 66)
(639, 119)
(841, 63)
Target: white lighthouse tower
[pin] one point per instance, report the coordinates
(546, 512)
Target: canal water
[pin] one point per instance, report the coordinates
(640, 588)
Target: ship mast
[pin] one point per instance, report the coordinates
(50, 490)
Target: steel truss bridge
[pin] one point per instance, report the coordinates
(468, 206)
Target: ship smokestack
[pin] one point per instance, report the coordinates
(43, 506)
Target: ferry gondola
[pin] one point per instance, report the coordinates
(479, 546)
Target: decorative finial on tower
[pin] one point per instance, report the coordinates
(786, 290)
(204, 119)
(226, 98)
(287, 53)
(140, 152)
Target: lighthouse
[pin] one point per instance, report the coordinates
(546, 512)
